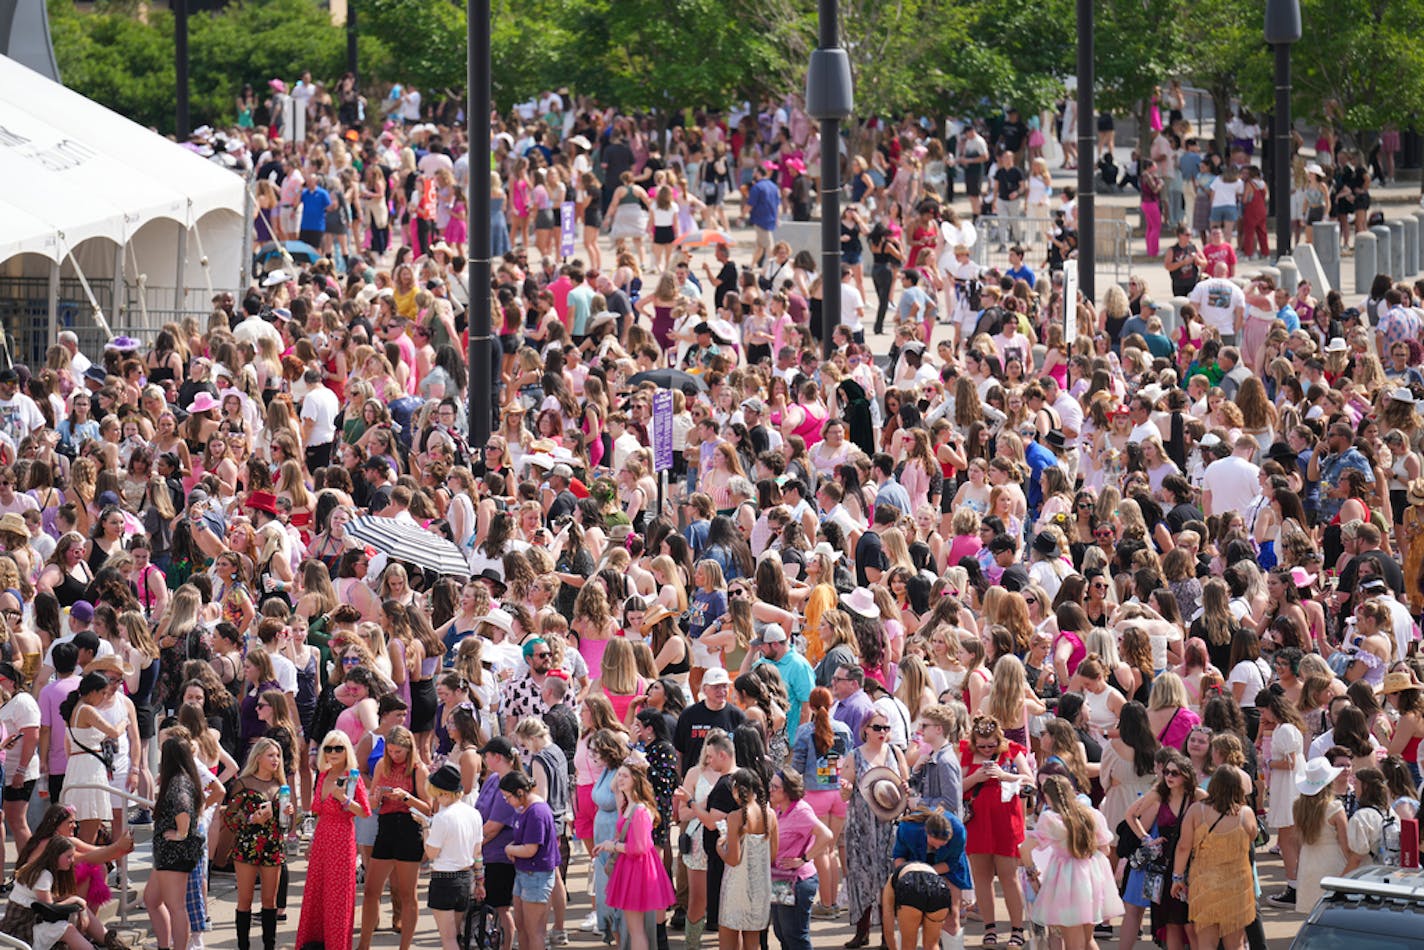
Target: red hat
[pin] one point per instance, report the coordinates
(263, 501)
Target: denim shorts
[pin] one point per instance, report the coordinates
(1221, 214)
(534, 886)
(366, 830)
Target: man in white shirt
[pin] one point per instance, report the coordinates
(320, 408)
(19, 416)
(1230, 484)
(1221, 304)
(852, 306)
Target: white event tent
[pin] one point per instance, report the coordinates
(104, 223)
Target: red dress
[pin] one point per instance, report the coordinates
(331, 871)
(997, 826)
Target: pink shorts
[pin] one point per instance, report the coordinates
(827, 804)
(584, 810)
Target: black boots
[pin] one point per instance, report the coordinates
(269, 928)
(244, 930)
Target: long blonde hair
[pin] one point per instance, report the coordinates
(1007, 690)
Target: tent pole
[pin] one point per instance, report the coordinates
(53, 305)
(116, 306)
(180, 286)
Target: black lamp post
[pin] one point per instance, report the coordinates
(830, 99)
(1087, 161)
(351, 58)
(477, 115)
(182, 123)
(1282, 29)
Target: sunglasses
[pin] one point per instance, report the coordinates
(879, 728)
(541, 655)
(1174, 773)
(332, 749)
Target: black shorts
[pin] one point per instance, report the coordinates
(21, 794)
(546, 220)
(422, 705)
(664, 234)
(925, 891)
(398, 838)
(499, 884)
(450, 890)
(180, 865)
(509, 343)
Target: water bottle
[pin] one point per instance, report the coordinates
(352, 778)
(284, 801)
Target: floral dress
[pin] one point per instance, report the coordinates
(663, 773)
(331, 870)
(259, 844)
(869, 843)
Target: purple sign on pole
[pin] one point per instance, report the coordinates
(662, 430)
(566, 226)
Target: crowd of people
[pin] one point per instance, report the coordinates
(1032, 614)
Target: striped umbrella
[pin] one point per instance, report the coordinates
(407, 541)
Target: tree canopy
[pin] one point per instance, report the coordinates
(970, 57)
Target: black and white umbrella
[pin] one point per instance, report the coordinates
(403, 540)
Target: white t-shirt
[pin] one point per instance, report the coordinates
(457, 830)
(21, 712)
(1250, 674)
(321, 406)
(105, 649)
(1226, 193)
(852, 307)
(19, 416)
(1232, 482)
(1217, 300)
(285, 672)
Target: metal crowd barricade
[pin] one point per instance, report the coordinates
(133, 799)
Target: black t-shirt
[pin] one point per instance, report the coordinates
(1011, 136)
(694, 724)
(726, 283)
(1178, 517)
(1385, 567)
(617, 159)
(1009, 180)
(868, 553)
(719, 799)
(563, 504)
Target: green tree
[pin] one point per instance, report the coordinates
(425, 40)
(1226, 54)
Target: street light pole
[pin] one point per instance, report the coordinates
(1282, 29)
(1087, 161)
(351, 38)
(182, 123)
(483, 380)
(829, 98)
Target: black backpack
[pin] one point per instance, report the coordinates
(481, 930)
(991, 321)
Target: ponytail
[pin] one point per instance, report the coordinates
(822, 735)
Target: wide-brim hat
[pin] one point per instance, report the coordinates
(262, 501)
(581, 142)
(861, 601)
(14, 523)
(653, 616)
(1318, 774)
(1402, 394)
(498, 617)
(723, 331)
(882, 789)
(204, 401)
(1415, 494)
(1398, 682)
(1337, 344)
(108, 664)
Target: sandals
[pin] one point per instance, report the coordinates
(1016, 938)
(991, 936)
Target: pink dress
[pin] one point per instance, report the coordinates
(639, 881)
(1071, 891)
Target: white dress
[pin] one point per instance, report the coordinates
(1285, 739)
(46, 933)
(86, 769)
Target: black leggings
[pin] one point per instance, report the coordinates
(883, 277)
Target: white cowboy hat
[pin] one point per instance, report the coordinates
(861, 601)
(1318, 774)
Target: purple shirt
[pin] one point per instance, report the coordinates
(853, 711)
(796, 834)
(535, 825)
(51, 697)
(494, 808)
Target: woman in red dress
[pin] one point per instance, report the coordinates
(331, 866)
(994, 828)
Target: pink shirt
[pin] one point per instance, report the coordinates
(796, 833)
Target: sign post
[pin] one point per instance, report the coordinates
(566, 229)
(662, 439)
